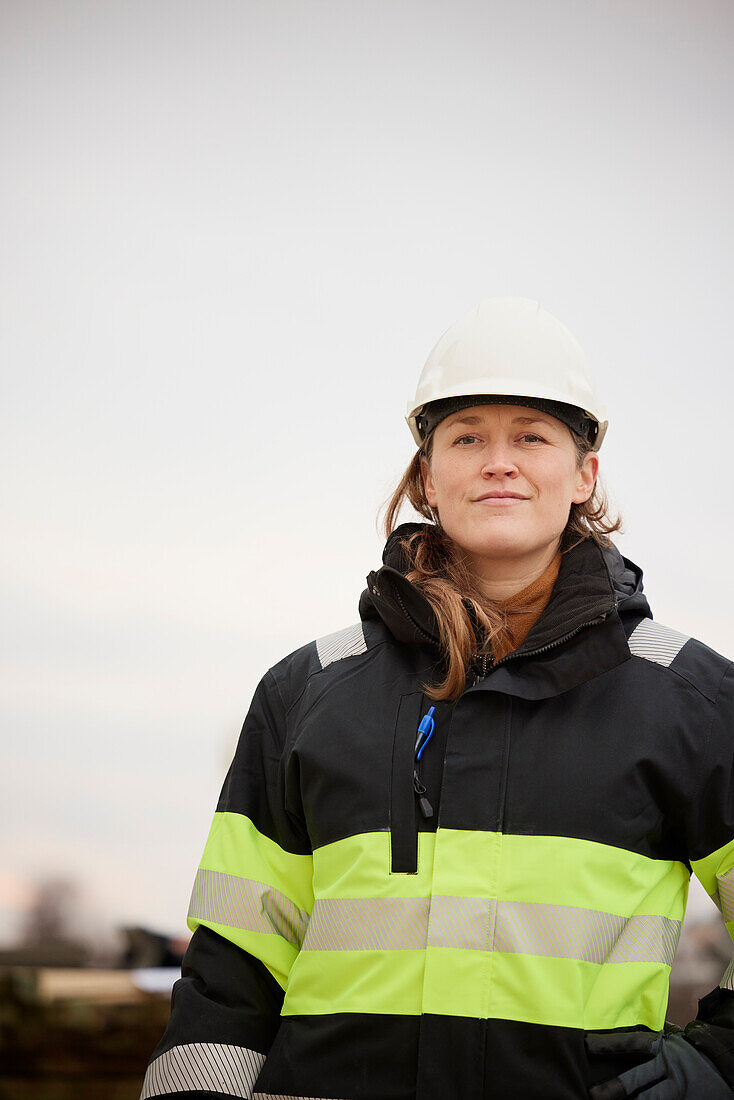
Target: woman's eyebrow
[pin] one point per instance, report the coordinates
(473, 420)
(467, 420)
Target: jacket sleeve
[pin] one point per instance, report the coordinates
(711, 839)
(249, 908)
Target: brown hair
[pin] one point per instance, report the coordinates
(467, 620)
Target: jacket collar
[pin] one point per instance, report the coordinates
(595, 587)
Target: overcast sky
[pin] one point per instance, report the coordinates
(231, 234)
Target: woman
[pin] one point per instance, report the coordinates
(458, 835)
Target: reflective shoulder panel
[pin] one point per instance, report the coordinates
(344, 643)
(727, 982)
(656, 642)
(211, 1067)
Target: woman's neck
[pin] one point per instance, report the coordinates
(501, 580)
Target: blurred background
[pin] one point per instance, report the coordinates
(232, 233)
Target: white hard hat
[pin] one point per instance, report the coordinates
(508, 347)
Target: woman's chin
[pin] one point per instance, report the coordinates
(500, 549)
(507, 546)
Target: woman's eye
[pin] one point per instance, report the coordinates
(467, 439)
(531, 437)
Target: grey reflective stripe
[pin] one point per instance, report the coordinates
(551, 931)
(656, 642)
(568, 932)
(344, 643)
(282, 1096)
(486, 924)
(727, 982)
(367, 924)
(245, 903)
(462, 922)
(724, 897)
(214, 1067)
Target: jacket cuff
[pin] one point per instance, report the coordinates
(712, 1032)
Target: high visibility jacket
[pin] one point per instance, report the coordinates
(371, 927)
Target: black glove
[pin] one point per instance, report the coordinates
(674, 1071)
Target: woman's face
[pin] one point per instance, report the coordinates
(502, 479)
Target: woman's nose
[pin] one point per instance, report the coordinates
(498, 462)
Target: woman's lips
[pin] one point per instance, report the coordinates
(501, 499)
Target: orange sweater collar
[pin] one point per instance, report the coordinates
(524, 609)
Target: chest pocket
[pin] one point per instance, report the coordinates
(403, 800)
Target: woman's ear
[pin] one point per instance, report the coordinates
(428, 486)
(586, 478)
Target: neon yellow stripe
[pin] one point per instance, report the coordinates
(717, 863)
(479, 984)
(567, 871)
(236, 847)
(552, 992)
(559, 871)
(356, 981)
(468, 863)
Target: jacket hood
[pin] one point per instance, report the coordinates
(592, 582)
(390, 596)
(626, 579)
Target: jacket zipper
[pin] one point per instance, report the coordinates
(486, 659)
(411, 620)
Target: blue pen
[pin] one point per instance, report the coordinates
(425, 732)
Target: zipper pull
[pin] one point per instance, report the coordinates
(479, 666)
(425, 806)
